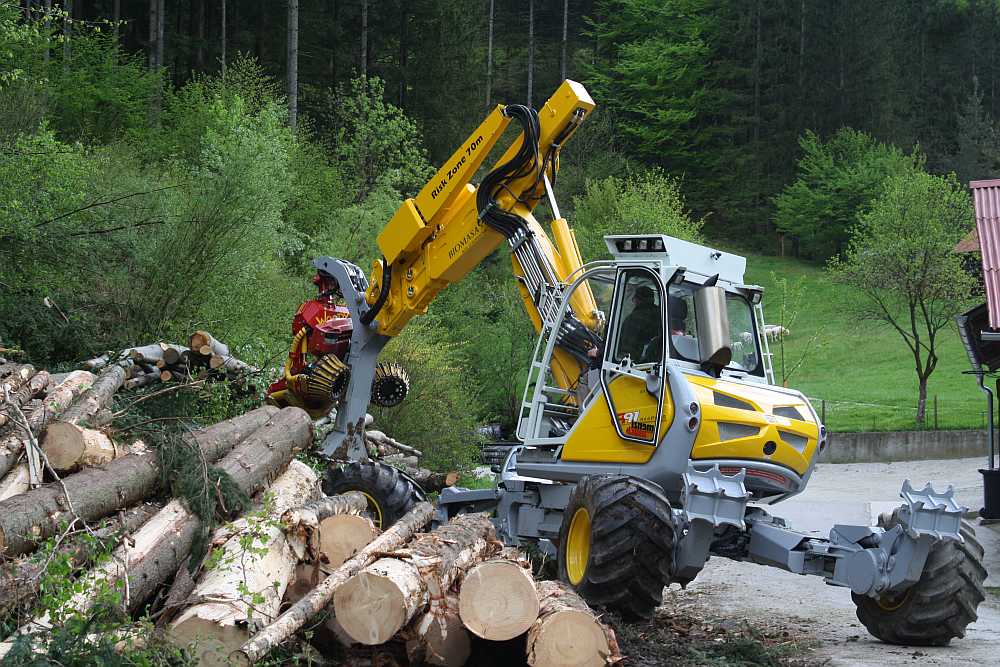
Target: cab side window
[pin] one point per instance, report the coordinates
(640, 325)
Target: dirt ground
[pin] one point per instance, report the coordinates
(819, 619)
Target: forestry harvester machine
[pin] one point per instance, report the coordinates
(651, 433)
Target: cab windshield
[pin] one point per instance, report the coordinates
(684, 329)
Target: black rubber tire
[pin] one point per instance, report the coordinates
(392, 492)
(937, 608)
(631, 544)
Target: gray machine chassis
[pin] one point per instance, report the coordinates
(714, 519)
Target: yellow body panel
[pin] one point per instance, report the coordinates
(771, 427)
(594, 437)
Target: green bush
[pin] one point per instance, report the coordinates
(374, 141)
(439, 414)
(837, 181)
(646, 203)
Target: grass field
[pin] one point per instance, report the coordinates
(862, 369)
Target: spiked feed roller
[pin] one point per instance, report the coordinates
(322, 381)
(390, 385)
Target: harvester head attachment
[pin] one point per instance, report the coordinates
(390, 385)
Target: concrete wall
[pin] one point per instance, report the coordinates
(881, 447)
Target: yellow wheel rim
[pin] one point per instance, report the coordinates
(893, 602)
(375, 509)
(578, 546)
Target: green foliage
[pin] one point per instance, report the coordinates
(374, 141)
(645, 203)
(102, 91)
(837, 180)
(439, 413)
(900, 258)
(16, 37)
(484, 318)
(206, 490)
(656, 79)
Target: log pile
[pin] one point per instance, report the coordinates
(295, 561)
(203, 358)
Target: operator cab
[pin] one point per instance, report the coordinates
(662, 302)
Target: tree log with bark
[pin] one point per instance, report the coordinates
(318, 598)
(57, 400)
(29, 518)
(20, 580)
(246, 583)
(567, 633)
(67, 441)
(34, 386)
(378, 602)
(437, 637)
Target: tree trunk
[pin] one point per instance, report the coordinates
(36, 385)
(489, 60)
(567, 633)
(319, 597)
(431, 481)
(506, 578)
(33, 517)
(223, 38)
(382, 440)
(161, 23)
(562, 60)
(364, 42)
(20, 581)
(531, 49)
(97, 397)
(200, 47)
(138, 567)
(293, 62)
(116, 17)
(58, 399)
(144, 380)
(375, 604)
(246, 588)
(438, 637)
(67, 32)
(231, 365)
(16, 379)
(921, 399)
(154, 32)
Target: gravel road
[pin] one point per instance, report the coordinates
(842, 493)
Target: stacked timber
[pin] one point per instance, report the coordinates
(156, 551)
(407, 459)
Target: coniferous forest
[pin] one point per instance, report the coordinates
(174, 166)
(169, 165)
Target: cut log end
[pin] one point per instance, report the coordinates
(498, 600)
(209, 643)
(443, 639)
(569, 638)
(70, 447)
(343, 535)
(370, 606)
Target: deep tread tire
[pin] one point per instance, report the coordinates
(394, 493)
(631, 544)
(937, 608)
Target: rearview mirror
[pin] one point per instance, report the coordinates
(713, 328)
